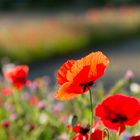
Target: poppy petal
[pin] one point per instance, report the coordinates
(64, 94)
(135, 137)
(97, 62)
(61, 77)
(96, 58)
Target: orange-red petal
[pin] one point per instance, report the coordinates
(61, 77)
(97, 62)
(64, 94)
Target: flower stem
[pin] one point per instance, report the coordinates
(107, 132)
(91, 109)
(7, 133)
(15, 97)
(69, 134)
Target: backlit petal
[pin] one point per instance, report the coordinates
(61, 77)
(64, 94)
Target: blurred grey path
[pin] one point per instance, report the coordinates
(124, 55)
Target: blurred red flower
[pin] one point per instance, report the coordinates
(135, 137)
(34, 101)
(5, 124)
(82, 133)
(118, 111)
(17, 75)
(6, 91)
(77, 76)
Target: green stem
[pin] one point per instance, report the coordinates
(7, 133)
(69, 134)
(107, 132)
(15, 96)
(118, 133)
(91, 109)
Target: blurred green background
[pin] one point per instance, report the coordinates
(45, 33)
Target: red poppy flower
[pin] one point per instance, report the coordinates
(118, 111)
(77, 76)
(17, 75)
(82, 133)
(135, 138)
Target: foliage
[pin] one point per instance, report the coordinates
(32, 113)
(38, 39)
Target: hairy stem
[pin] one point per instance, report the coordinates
(91, 109)
(106, 132)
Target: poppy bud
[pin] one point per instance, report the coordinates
(72, 120)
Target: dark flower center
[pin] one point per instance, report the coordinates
(84, 130)
(21, 79)
(119, 118)
(86, 85)
(115, 117)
